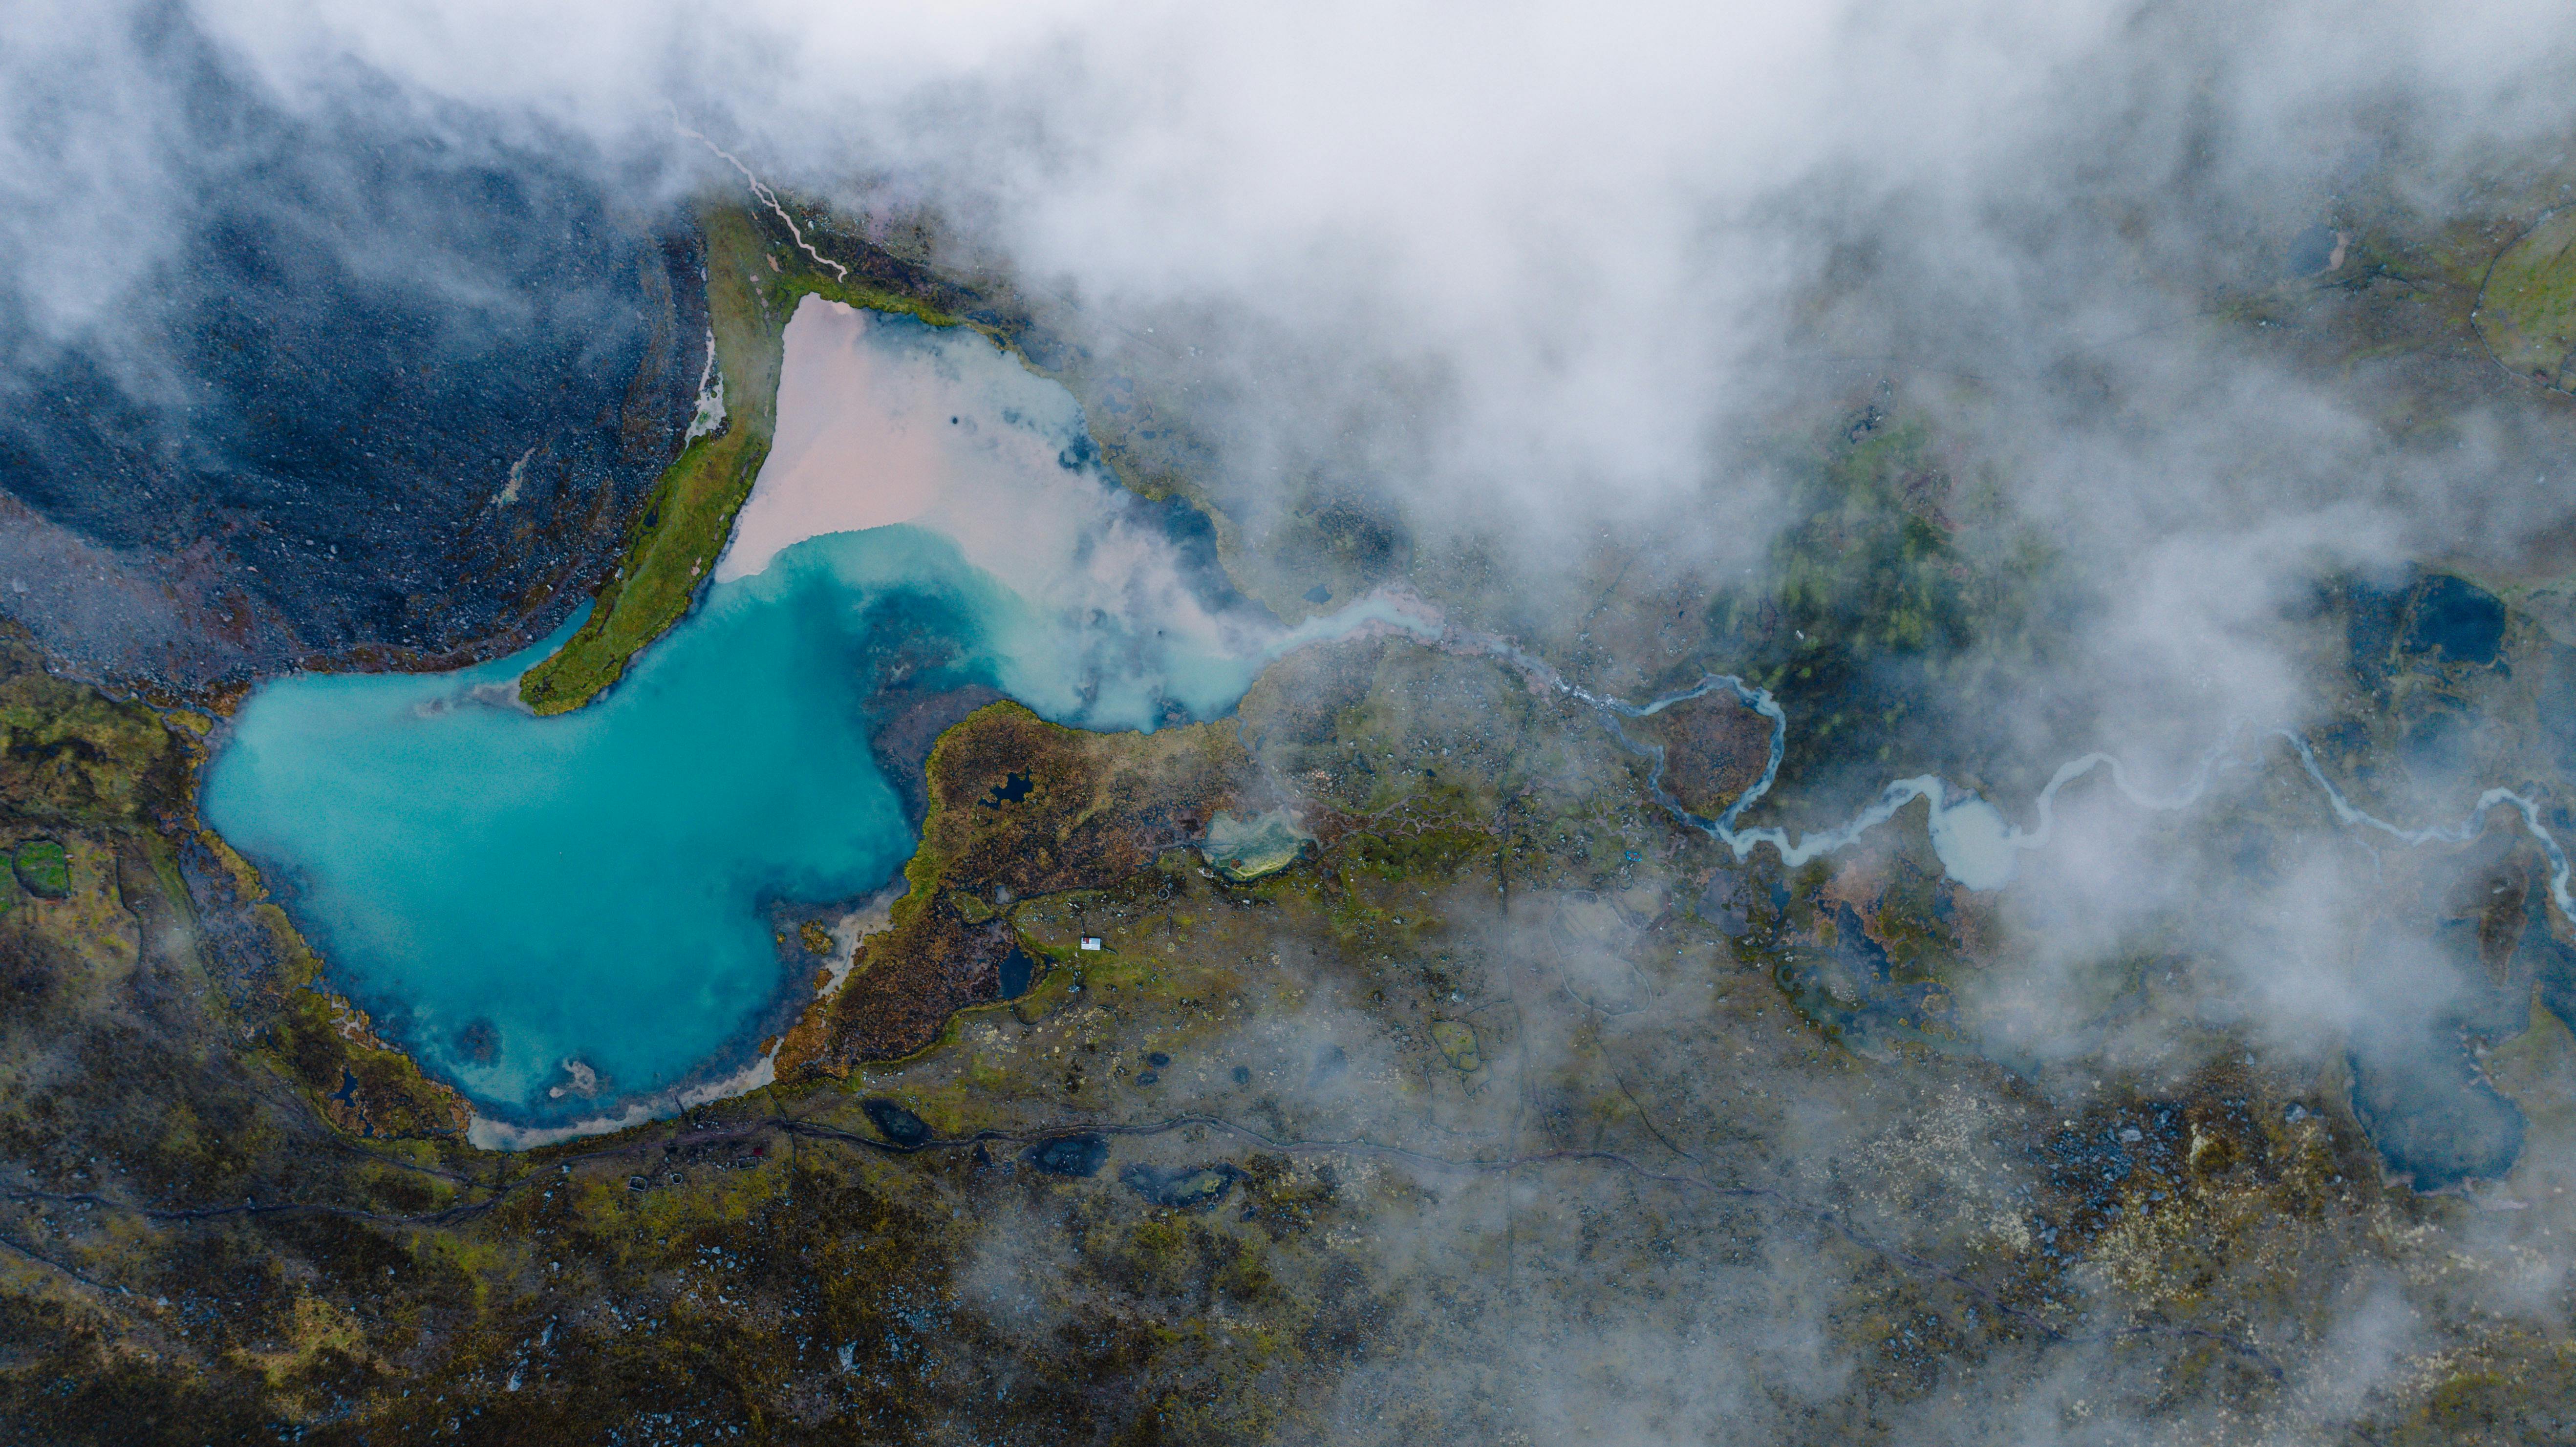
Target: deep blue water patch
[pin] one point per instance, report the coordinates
(2462, 620)
(1017, 968)
(561, 913)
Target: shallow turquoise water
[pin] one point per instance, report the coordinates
(510, 894)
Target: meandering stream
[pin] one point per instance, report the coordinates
(570, 917)
(1975, 844)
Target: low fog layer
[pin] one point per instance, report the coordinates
(1562, 302)
(1520, 276)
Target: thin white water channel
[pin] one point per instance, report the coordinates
(1977, 847)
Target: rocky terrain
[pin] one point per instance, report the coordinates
(1515, 1108)
(370, 399)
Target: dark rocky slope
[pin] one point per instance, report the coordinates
(373, 389)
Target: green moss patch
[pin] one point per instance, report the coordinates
(1246, 849)
(690, 511)
(868, 296)
(73, 755)
(356, 1081)
(1456, 1041)
(1082, 811)
(1898, 588)
(43, 868)
(2527, 310)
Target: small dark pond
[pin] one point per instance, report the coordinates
(2310, 252)
(2463, 620)
(2417, 1087)
(1070, 1155)
(1018, 968)
(898, 1125)
(1187, 1188)
(2428, 1110)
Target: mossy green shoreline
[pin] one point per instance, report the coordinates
(753, 285)
(1500, 1091)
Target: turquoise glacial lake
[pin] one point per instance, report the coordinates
(562, 915)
